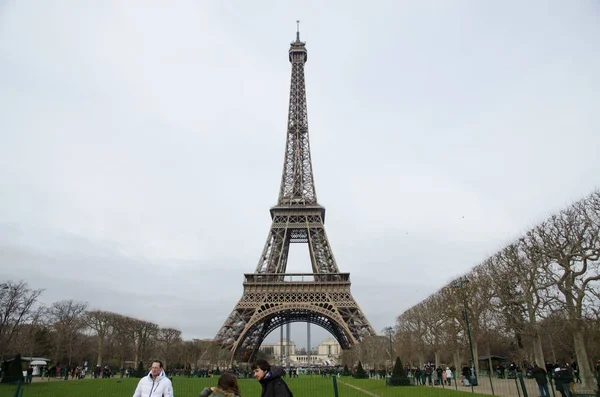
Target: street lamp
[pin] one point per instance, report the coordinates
(389, 331)
(461, 284)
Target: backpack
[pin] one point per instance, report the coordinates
(278, 381)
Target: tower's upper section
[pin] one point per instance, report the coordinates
(298, 50)
(297, 184)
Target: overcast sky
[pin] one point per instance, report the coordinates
(142, 143)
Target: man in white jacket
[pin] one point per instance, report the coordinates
(155, 384)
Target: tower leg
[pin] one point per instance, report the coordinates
(281, 346)
(288, 333)
(308, 342)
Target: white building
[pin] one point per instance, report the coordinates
(327, 353)
(274, 349)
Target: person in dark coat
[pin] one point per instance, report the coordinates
(541, 378)
(563, 378)
(466, 374)
(270, 379)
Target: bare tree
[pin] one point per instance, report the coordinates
(520, 283)
(374, 351)
(101, 322)
(28, 339)
(121, 337)
(570, 243)
(16, 304)
(473, 295)
(410, 326)
(349, 357)
(67, 319)
(141, 333)
(167, 338)
(540, 290)
(432, 316)
(451, 330)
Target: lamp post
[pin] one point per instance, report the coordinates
(389, 331)
(461, 284)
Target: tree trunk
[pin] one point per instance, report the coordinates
(537, 348)
(476, 356)
(137, 354)
(70, 351)
(57, 350)
(489, 354)
(585, 371)
(538, 352)
(457, 362)
(437, 359)
(99, 351)
(552, 348)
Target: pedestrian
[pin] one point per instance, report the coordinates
(449, 376)
(541, 378)
(227, 386)
(270, 379)
(575, 367)
(154, 384)
(29, 374)
(563, 379)
(466, 375)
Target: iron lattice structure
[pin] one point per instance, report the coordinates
(272, 297)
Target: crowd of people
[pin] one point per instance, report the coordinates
(429, 374)
(564, 376)
(157, 383)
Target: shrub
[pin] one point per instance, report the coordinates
(399, 378)
(346, 371)
(140, 371)
(360, 373)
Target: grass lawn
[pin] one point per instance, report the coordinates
(379, 388)
(304, 386)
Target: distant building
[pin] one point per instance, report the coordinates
(327, 353)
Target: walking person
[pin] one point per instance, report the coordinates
(576, 371)
(466, 375)
(155, 384)
(449, 376)
(541, 378)
(563, 379)
(227, 386)
(270, 379)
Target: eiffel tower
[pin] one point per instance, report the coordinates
(273, 297)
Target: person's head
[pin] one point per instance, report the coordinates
(156, 368)
(260, 368)
(229, 382)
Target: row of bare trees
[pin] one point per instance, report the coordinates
(536, 300)
(70, 334)
(373, 353)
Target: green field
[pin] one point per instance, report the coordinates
(304, 386)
